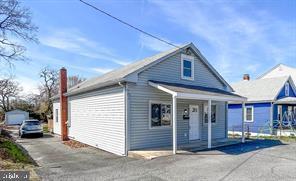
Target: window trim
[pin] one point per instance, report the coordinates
(245, 114)
(204, 113)
(149, 112)
(191, 59)
(287, 89)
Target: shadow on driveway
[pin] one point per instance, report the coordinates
(241, 148)
(34, 136)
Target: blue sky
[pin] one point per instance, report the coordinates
(236, 37)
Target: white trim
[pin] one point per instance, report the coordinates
(174, 120)
(287, 89)
(210, 124)
(245, 114)
(162, 88)
(190, 59)
(126, 119)
(159, 102)
(207, 97)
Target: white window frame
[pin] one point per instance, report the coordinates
(287, 91)
(187, 58)
(159, 102)
(205, 109)
(245, 116)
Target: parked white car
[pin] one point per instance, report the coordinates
(31, 126)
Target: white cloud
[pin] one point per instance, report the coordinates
(102, 70)
(74, 42)
(153, 44)
(29, 86)
(240, 40)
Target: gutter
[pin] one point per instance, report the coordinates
(90, 88)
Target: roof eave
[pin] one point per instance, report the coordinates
(96, 86)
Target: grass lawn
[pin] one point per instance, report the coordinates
(13, 158)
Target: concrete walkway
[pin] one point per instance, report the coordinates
(190, 148)
(259, 160)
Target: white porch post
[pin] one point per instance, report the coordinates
(243, 121)
(209, 123)
(174, 124)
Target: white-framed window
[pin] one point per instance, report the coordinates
(287, 89)
(187, 67)
(57, 115)
(213, 113)
(249, 114)
(160, 114)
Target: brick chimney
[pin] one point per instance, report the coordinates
(246, 77)
(63, 104)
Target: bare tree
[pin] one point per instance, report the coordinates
(8, 89)
(74, 80)
(15, 24)
(49, 87)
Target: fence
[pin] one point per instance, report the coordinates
(286, 127)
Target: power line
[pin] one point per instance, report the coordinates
(127, 24)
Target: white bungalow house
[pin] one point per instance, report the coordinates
(163, 100)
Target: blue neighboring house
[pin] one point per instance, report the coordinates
(268, 99)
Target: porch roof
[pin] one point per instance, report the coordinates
(195, 92)
(286, 100)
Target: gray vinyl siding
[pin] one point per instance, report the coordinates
(141, 93)
(97, 118)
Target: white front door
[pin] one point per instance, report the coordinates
(194, 122)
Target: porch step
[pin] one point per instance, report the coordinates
(149, 154)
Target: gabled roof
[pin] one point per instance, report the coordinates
(125, 74)
(260, 90)
(280, 70)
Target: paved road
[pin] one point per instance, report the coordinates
(260, 160)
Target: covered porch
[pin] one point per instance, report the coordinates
(285, 115)
(181, 92)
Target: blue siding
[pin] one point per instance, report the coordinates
(261, 117)
(275, 111)
(282, 93)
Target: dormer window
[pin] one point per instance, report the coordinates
(187, 67)
(287, 89)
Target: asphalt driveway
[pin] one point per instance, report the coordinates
(259, 160)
